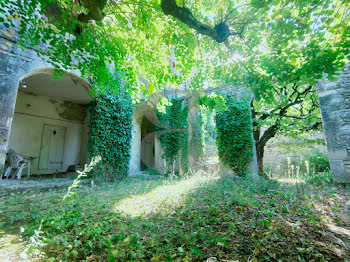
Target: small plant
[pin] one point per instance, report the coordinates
(81, 174)
(318, 161)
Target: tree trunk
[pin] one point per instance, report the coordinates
(260, 157)
(261, 143)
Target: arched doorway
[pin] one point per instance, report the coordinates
(147, 144)
(50, 122)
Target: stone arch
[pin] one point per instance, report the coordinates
(141, 112)
(15, 66)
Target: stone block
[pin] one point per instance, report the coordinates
(338, 154)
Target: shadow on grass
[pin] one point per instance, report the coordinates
(26, 209)
(199, 218)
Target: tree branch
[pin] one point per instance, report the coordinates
(314, 126)
(268, 134)
(219, 33)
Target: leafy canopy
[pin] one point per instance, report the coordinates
(271, 42)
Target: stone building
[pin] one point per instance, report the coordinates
(334, 100)
(46, 119)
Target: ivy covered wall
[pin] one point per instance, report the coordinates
(234, 134)
(173, 134)
(110, 134)
(196, 132)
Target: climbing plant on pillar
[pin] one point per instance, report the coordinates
(173, 133)
(234, 134)
(110, 134)
(196, 134)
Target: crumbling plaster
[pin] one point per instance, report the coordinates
(15, 65)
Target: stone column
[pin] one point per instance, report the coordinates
(334, 100)
(160, 164)
(134, 165)
(8, 94)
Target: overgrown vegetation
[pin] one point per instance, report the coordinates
(279, 49)
(110, 135)
(234, 134)
(197, 135)
(173, 134)
(194, 219)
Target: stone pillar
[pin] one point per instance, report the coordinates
(134, 165)
(334, 100)
(8, 94)
(160, 164)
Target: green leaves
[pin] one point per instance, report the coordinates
(234, 134)
(110, 133)
(174, 132)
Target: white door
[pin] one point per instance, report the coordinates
(52, 146)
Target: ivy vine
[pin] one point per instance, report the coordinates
(173, 133)
(197, 142)
(234, 134)
(110, 132)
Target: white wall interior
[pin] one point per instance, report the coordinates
(61, 105)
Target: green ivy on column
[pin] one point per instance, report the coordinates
(234, 138)
(174, 133)
(110, 133)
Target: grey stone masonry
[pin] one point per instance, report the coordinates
(334, 100)
(15, 64)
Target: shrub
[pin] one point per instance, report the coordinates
(320, 178)
(318, 161)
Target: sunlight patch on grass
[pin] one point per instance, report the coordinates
(164, 198)
(339, 230)
(291, 181)
(11, 248)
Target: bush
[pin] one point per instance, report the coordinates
(320, 178)
(318, 162)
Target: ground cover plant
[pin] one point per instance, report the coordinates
(202, 217)
(277, 49)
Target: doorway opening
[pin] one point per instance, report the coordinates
(147, 144)
(50, 122)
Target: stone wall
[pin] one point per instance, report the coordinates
(17, 64)
(334, 100)
(32, 113)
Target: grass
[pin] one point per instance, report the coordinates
(192, 219)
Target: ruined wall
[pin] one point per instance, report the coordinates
(32, 112)
(334, 100)
(135, 162)
(15, 64)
